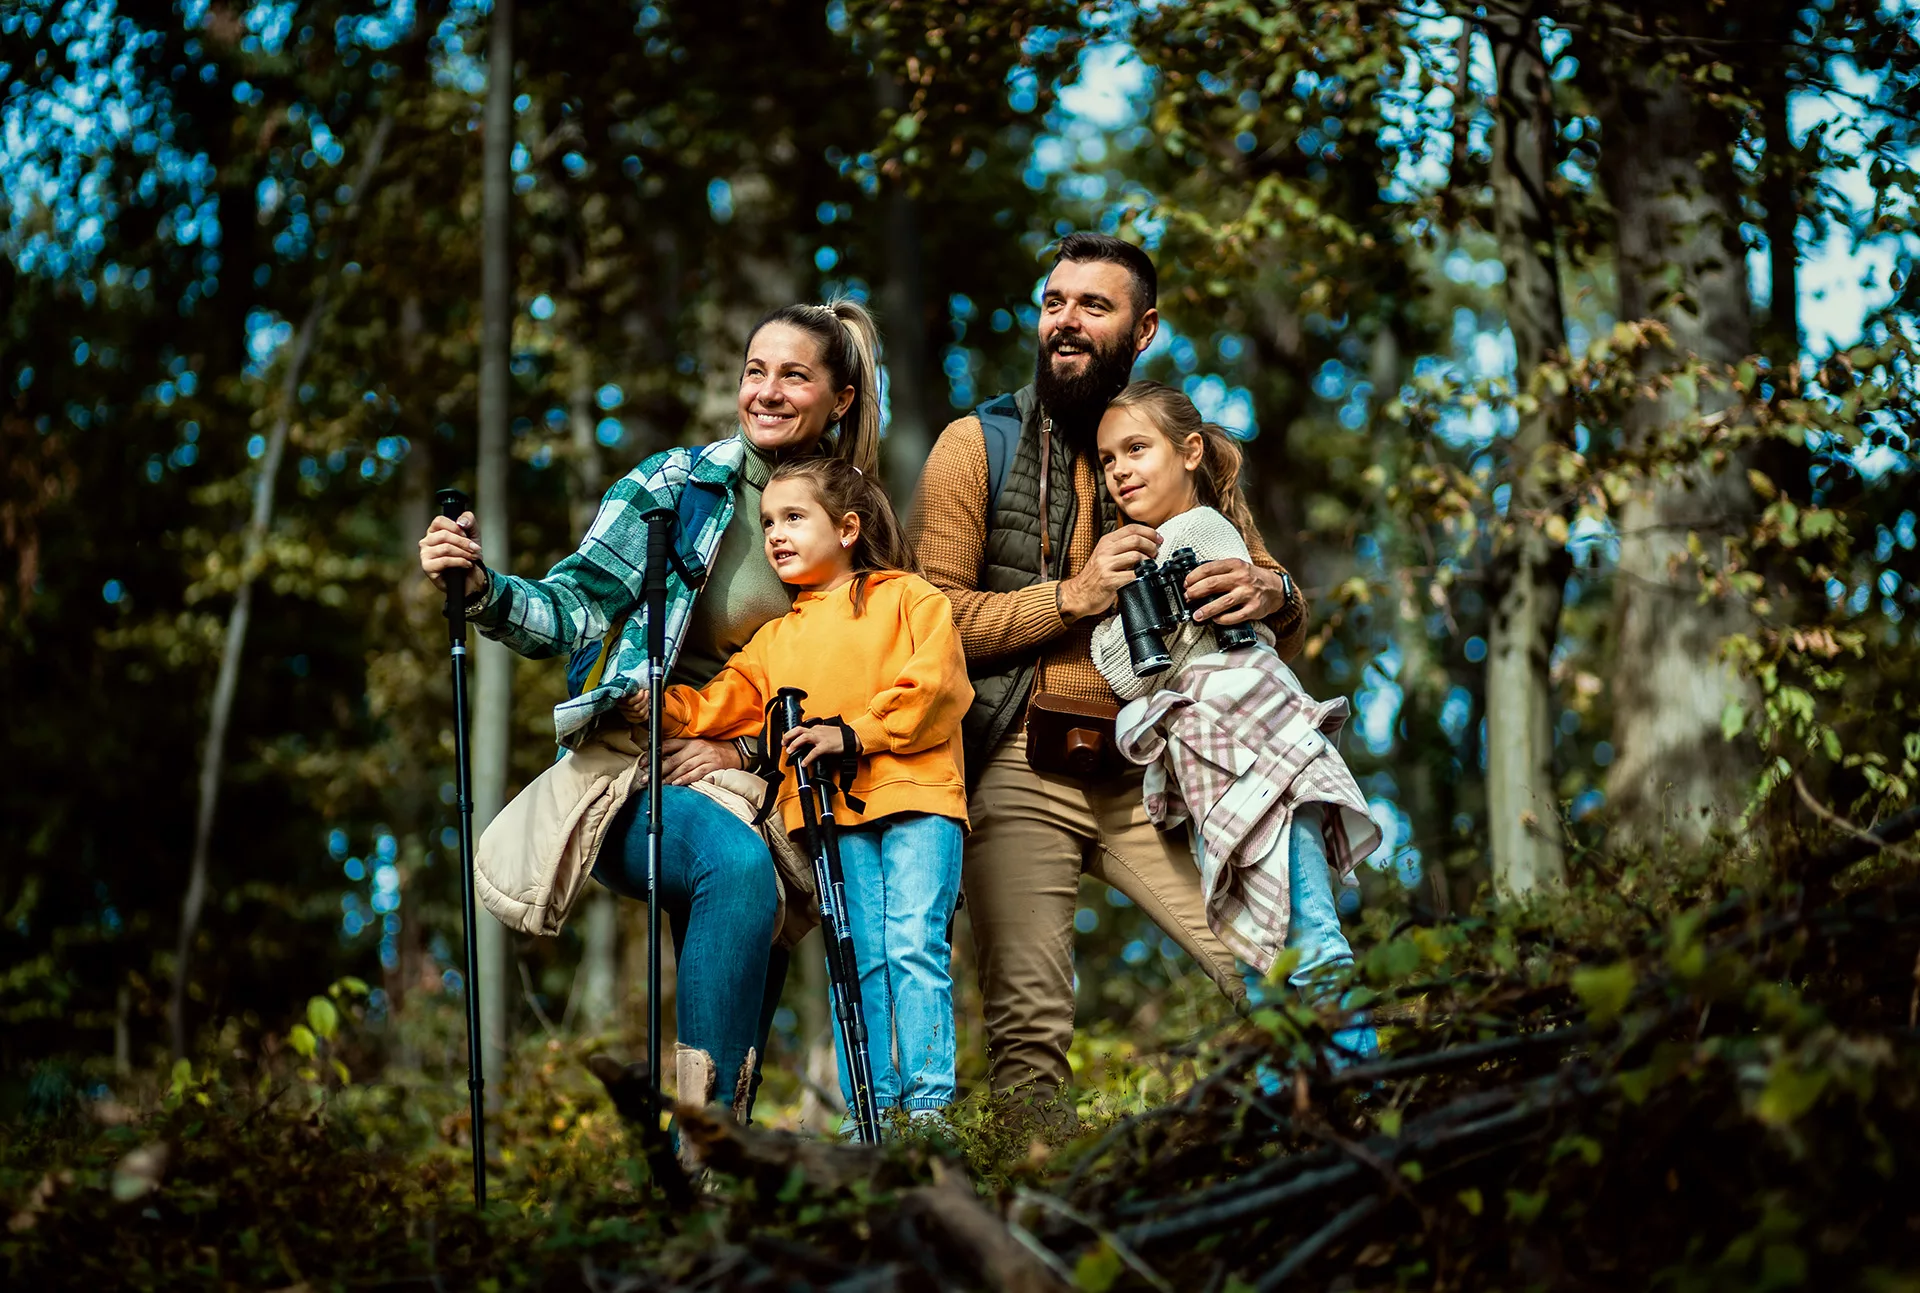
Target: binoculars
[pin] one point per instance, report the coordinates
(1155, 604)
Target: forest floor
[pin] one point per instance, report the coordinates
(1703, 1085)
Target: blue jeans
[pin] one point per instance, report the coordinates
(717, 891)
(903, 878)
(1314, 928)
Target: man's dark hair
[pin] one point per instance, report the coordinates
(1082, 246)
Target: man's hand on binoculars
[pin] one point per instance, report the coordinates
(1093, 589)
(811, 744)
(453, 545)
(1237, 592)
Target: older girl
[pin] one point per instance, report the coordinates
(1265, 834)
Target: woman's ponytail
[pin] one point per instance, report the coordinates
(859, 439)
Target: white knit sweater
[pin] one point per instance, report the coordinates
(1212, 538)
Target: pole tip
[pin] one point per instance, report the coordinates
(453, 502)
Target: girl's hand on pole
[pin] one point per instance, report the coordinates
(453, 545)
(687, 759)
(635, 708)
(810, 744)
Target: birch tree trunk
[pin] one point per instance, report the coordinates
(213, 751)
(1682, 263)
(1529, 567)
(493, 663)
(599, 969)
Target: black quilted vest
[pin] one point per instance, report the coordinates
(1011, 561)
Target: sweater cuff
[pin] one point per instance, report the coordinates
(871, 732)
(674, 712)
(1038, 606)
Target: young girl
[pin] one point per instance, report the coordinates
(1265, 827)
(872, 644)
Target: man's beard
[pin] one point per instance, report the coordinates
(1076, 401)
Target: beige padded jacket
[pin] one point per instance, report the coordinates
(536, 858)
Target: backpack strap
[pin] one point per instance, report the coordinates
(1000, 426)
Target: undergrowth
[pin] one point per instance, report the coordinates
(1688, 1078)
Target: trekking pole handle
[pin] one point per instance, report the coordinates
(660, 522)
(791, 714)
(453, 504)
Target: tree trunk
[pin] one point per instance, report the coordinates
(1528, 568)
(1779, 185)
(226, 683)
(1681, 262)
(904, 310)
(903, 305)
(213, 752)
(599, 970)
(493, 663)
(821, 1107)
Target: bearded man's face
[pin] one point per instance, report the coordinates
(1090, 334)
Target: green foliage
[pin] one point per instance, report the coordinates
(1315, 181)
(1748, 1067)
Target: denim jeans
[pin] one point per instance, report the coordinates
(717, 892)
(903, 878)
(1314, 928)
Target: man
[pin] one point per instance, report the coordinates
(1030, 569)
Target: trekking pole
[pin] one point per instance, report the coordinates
(452, 504)
(836, 929)
(659, 549)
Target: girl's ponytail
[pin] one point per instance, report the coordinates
(1218, 480)
(1219, 476)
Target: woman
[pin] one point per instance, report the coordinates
(808, 386)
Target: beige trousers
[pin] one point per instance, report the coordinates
(1033, 837)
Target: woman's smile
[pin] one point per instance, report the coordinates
(786, 400)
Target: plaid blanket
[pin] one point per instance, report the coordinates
(1236, 745)
(592, 588)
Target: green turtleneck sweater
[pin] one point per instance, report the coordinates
(742, 591)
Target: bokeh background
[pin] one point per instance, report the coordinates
(1570, 340)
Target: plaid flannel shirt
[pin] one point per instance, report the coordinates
(589, 590)
(1237, 746)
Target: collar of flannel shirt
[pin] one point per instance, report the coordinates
(603, 580)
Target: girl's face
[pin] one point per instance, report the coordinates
(1149, 476)
(787, 399)
(806, 547)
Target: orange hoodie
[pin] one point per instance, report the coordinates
(895, 673)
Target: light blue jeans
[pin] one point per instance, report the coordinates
(903, 878)
(1314, 928)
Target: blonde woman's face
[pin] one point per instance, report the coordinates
(787, 400)
(1149, 477)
